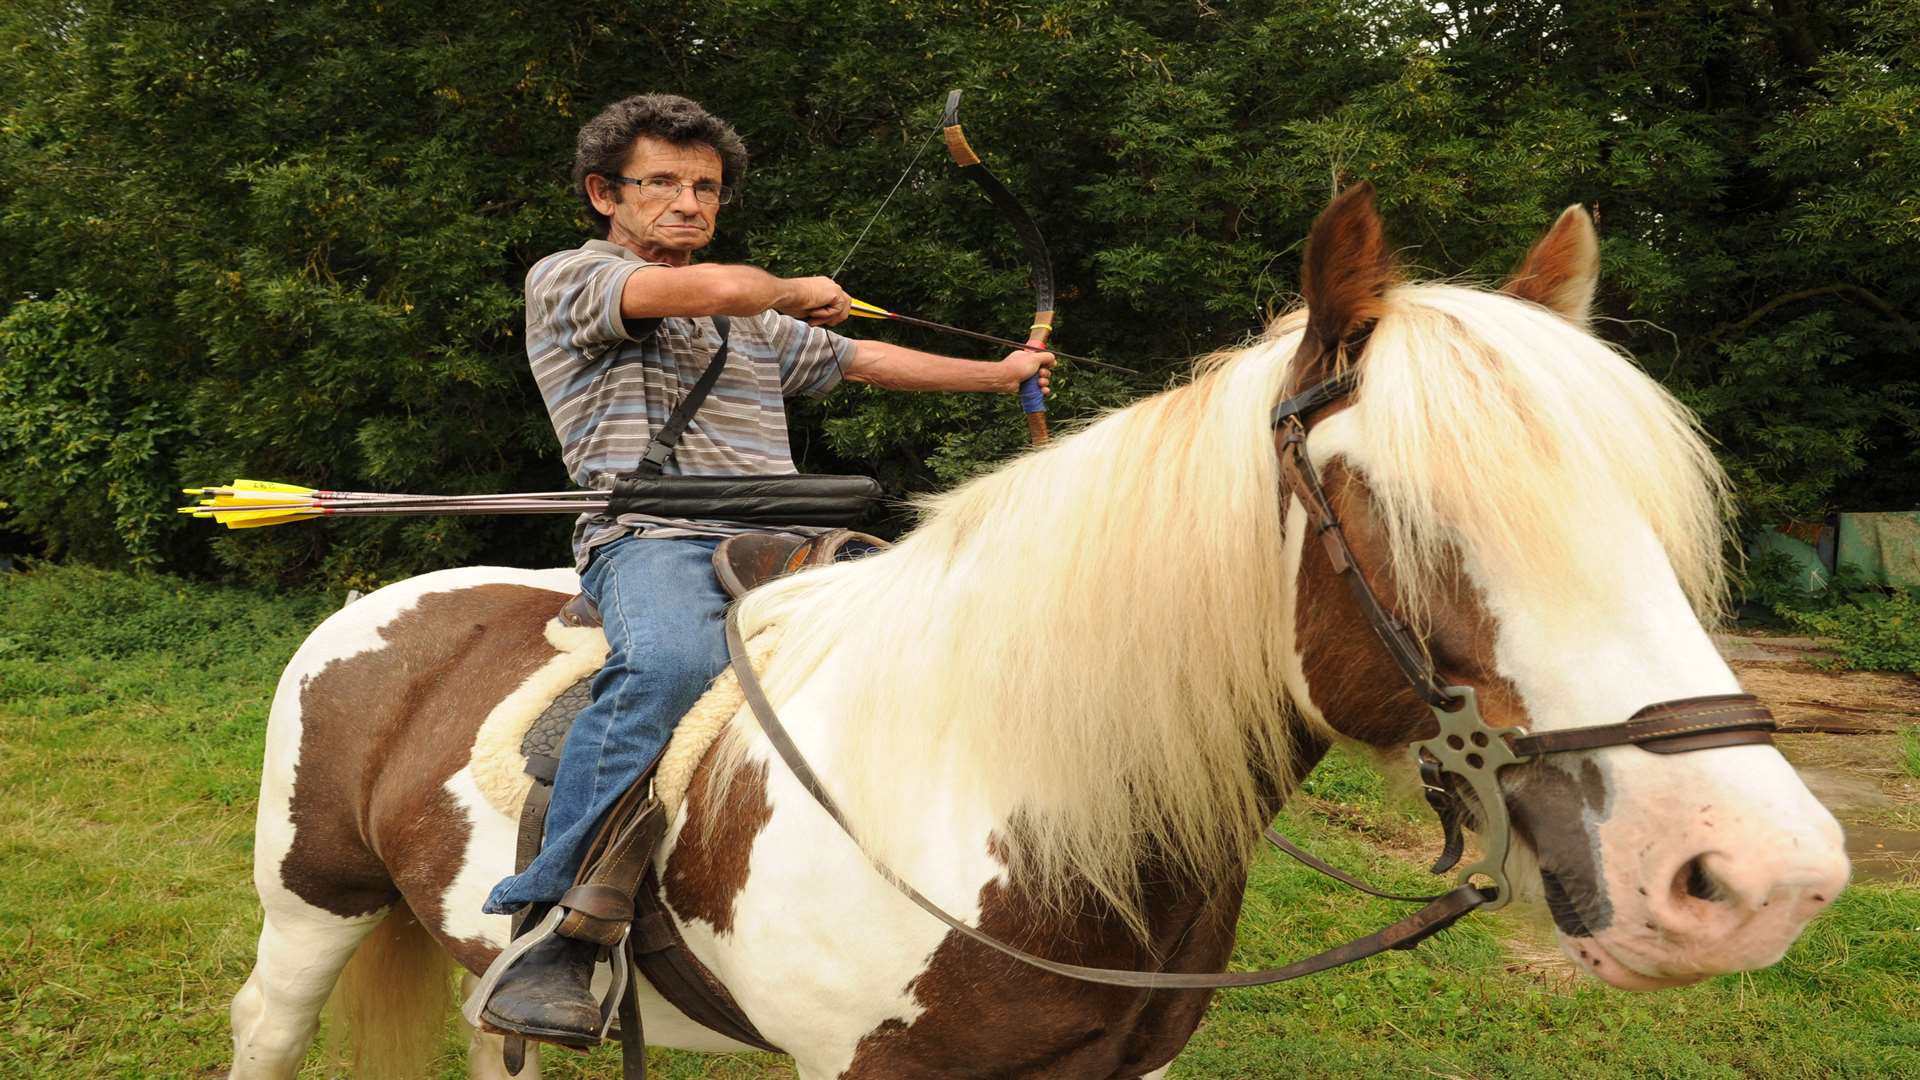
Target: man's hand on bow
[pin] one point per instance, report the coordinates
(1022, 364)
(817, 300)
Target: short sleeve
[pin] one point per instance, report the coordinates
(573, 301)
(812, 359)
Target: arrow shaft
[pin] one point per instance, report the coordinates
(369, 499)
(1008, 342)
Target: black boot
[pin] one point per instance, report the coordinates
(547, 995)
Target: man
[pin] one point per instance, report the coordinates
(617, 331)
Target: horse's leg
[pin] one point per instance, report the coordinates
(303, 946)
(484, 1049)
(302, 950)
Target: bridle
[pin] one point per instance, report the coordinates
(1466, 749)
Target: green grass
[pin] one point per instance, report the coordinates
(1910, 750)
(131, 717)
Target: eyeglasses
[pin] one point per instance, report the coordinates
(665, 188)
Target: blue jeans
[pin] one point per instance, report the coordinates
(666, 636)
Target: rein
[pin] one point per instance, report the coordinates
(1405, 934)
(1466, 748)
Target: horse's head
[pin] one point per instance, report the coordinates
(1550, 524)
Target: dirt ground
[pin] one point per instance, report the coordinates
(1842, 731)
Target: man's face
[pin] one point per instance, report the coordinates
(663, 230)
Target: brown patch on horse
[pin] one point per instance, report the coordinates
(982, 1006)
(1344, 278)
(1562, 269)
(707, 869)
(382, 732)
(1359, 689)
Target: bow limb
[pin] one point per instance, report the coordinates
(1032, 402)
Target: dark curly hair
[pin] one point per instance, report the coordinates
(606, 140)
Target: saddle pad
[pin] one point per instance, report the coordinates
(536, 716)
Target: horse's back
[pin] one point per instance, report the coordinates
(376, 711)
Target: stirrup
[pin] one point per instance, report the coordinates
(548, 927)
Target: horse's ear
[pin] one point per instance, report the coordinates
(1344, 277)
(1562, 268)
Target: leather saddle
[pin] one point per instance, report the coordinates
(743, 562)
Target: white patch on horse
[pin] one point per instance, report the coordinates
(1293, 660)
(1650, 649)
(488, 858)
(301, 952)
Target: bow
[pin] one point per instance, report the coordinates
(1032, 402)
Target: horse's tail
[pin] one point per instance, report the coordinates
(388, 1013)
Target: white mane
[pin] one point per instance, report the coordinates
(1090, 639)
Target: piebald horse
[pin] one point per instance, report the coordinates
(1066, 703)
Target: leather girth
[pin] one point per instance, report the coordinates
(661, 954)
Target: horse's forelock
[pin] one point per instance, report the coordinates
(1503, 431)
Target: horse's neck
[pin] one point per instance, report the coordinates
(1060, 642)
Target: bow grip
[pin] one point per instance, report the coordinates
(1031, 399)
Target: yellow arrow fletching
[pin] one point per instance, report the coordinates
(253, 519)
(268, 485)
(867, 311)
(256, 523)
(253, 499)
(239, 505)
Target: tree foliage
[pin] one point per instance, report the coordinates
(287, 240)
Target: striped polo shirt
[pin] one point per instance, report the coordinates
(610, 383)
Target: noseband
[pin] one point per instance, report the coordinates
(1467, 748)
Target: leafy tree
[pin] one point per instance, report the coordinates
(287, 240)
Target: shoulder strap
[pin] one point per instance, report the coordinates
(654, 460)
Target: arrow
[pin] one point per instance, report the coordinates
(864, 310)
(251, 504)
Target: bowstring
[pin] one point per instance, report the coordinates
(883, 203)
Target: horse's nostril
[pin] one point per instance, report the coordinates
(1693, 881)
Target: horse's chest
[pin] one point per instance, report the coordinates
(852, 978)
(816, 947)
